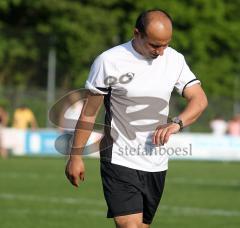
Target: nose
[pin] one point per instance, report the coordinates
(160, 51)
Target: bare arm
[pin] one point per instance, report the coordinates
(33, 123)
(196, 104)
(75, 166)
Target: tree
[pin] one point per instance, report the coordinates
(29, 28)
(205, 31)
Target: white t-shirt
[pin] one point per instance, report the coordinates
(136, 97)
(219, 126)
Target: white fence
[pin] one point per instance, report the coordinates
(181, 146)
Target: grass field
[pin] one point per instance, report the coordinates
(35, 193)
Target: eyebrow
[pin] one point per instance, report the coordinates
(156, 45)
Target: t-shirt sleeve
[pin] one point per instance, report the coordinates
(95, 82)
(186, 78)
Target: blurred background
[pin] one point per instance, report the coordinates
(46, 50)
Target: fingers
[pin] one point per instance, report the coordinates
(81, 176)
(156, 135)
(162, 134)
(74, 171)
(160, 137)
(74, 179)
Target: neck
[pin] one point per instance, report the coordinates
(136, 47)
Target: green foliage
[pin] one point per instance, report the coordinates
(205, 31)
(29, 28)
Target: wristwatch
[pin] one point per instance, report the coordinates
(177, 120)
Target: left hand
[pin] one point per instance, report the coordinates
(162, 133)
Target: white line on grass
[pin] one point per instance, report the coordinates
(15, 175)
(58, 212)
(64, 200)
(176, 210)
(199, 211)
(176, 180)
(204, 182)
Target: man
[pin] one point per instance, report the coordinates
(23, 118)
(135, 81)
(3, 124)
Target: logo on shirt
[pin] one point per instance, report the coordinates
(123, 79)
(126, 123)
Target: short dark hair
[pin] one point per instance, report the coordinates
(142, 20)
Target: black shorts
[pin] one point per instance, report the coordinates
(129, 191)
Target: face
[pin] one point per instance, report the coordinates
(153, 43)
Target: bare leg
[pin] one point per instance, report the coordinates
(3, 153)
(129, 221)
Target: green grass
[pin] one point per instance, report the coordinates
(35, 193)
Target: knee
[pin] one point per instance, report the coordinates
(128, 222)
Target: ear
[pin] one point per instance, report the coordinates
(136, 33)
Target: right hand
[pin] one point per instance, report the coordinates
(75, 170)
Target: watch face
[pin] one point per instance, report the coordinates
(177, 121)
